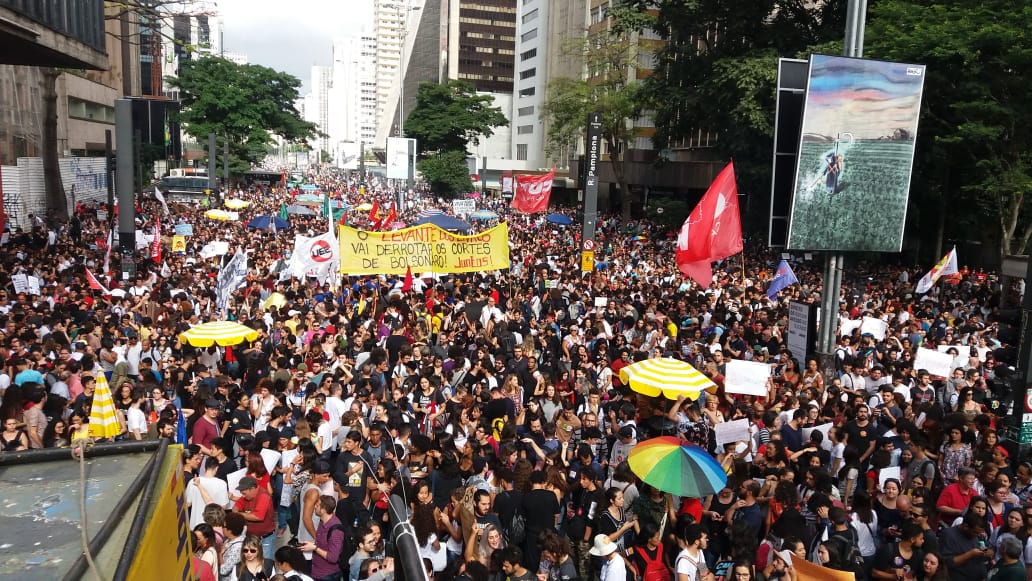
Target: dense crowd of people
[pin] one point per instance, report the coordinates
(492, 404)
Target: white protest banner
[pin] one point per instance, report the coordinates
(315, 257)
(233, 479)
(826, 443)
(937, 364)
(746, 377)
(463, 206)
(876, 327)
(21, 283)
(886, 473)
(847, 326)
(731, 432)
(215, 248)
(270, 458)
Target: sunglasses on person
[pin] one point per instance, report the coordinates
(246, 550)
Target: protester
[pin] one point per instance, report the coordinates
(488, 399)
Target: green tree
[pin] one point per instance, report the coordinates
(446, 172)
(246, 103)
(716, 71)
(450, 116)
(973, 149)
(607, 57)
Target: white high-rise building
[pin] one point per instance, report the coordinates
(530, 80)
(393, 23)
(317, 105)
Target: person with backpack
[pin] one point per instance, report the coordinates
(840, 534)
(328, 543)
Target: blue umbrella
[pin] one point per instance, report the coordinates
(559, 219)
(483, 215)
(266, 222)
(443, 221)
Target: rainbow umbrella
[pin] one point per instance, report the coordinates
(666, 375)
(103, 417)
(674, 466)
(222, 333)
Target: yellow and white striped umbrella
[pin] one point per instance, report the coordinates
(221, 333)
(237, 204)
(665, 375)
(221, 215)
(103, 416)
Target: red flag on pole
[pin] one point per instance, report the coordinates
(391, 216)
(532, 193)
(408, 280)
(712, 231)
(95, 284)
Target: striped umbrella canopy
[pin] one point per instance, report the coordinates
(220, 333)
(667, 376)
(483, 215)
(237, 204)
(309, 200)
(426, 213)
(674, 466)
(364, 207)
(221, 215)
(103, 417)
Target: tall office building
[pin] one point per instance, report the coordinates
(391, 23)
(317, 105)
(482, 42)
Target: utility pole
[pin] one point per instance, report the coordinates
(211, 164)
(834, 262)
(124, 170)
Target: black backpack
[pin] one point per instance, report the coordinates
(849, 549)
(347, 548)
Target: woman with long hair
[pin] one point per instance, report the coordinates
(204, 545)
(253, 564)
(830, 556)
(614, 521)
(490, 541)
(1013, 525)
(549, 404)
(889, 519)
(425, 524)
(933, 568)
(980, 506)
(256, 469)
(14, 438)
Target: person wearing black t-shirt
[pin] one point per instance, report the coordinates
(541, 508)
(352, 468)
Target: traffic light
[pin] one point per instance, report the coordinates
(112, 162)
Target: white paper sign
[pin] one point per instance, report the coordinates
(876, 327)
(271, 458)
(601, 301)
(822, 428)
(886, 473)
(464, 206)
(34, 288)
(234, 478)
(746, 377)
(937, 364)
(847, 326)
(287, 456)
(21, 283)
(215, 248)
(731, 432)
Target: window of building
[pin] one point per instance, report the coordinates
(528, 74)
(522, 111)
(521, 151)
(529, 35)
(528, 92)
(530, 16)
(528, 54)
(525, 130)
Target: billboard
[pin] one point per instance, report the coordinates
(401, 158)
(856, 154)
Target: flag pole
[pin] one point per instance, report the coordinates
(743, 270)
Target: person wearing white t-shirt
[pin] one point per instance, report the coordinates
(206, 489)
(135, 419)
(690, 564)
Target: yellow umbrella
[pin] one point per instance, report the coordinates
(275, 300)
(221, 215)
(237, 204)
(218, 332)
(103, 417)
(671, 377)
(364, 207)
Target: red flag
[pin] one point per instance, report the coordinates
(156, 244)
(344, 218)
(95, 284)
(408, 280)
(374, 215)
(532, 193)
(712, 231)
(391, 216)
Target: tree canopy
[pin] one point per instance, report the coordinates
(244, 103)
(449, 116)
(973, 143)
(717, 69)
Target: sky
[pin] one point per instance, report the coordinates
(288, 36)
